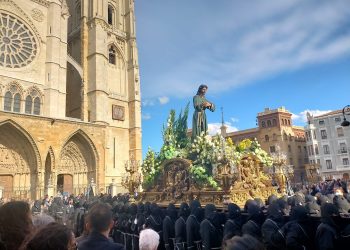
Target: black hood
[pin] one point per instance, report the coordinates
(209, 211)
(234, 211)
(313, 208)
(133, 209)
(171, 211)
(272, 198)
(194, 205)
(299, 214)
(184, 210)
(328, 211)
(342, 204)
(275, 213)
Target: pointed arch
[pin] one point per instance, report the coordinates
(119, 50)
(79, 158)
(20, 159)
(12, 124)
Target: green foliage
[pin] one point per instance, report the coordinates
(204, 152)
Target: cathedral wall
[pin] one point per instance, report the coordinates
(34, 17)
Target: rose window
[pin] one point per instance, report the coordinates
(17, 43)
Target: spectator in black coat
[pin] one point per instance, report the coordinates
(193, 225)
(169, 227)
(233, 225)
(273, 237)
(101, 222)
(180, 226)
(327, 233)
(211, 228)
(298, 231)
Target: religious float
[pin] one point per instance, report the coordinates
(211, 169)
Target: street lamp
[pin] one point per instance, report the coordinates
(346, 111)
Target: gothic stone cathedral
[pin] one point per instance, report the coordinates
(70, 112)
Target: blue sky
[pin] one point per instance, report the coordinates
(252, 54)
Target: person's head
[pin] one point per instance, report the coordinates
(15, 223)
(100, 217)
(202, 89)
(53, 236)
(245, 242)
(149, 239)
(42, 220)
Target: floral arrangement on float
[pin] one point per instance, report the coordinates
(206, 153)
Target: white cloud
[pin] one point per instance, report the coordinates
(214, 128)
(147, 102)
(233, 119)
(163, 100)
(146, 116)
(301, 117)
(281, 37)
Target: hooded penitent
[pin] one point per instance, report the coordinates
(210, 231)
(192, 225)
(234, 221)
(342, 204)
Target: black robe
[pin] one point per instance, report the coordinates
(192, 232)
(273, 237)
(168, 232)
(180, 233)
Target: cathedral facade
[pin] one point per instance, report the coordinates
(70, 112)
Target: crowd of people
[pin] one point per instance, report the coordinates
(302, 221)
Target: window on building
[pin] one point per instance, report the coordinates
(343, 148)
(289, 122)
(319, 161)
(110, 15)
(36, 109)
(17, 103)
(263, 124)
(329, 164)
(285, 137)
(340, 132)
(323, 134)
(274, 122)
(326, 149)
(346, 161)
(321, 122)
(267, 138)
(282, 121)
(29, 105)
(291, 161)
(300, 161)
(337, 119)
(274, 137)
(305, 151)
(272, 149)
(268, 123)
(299, 149)
(316, 149)
(8, 101)
(289, 148)
(112, 55)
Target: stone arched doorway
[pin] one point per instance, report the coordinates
(78, 160)
(19, 161)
